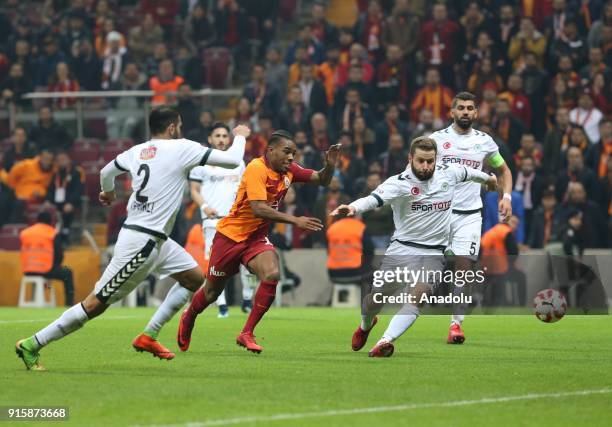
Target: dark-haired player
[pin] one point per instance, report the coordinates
(461, 144)
(159, 169)
(242, 235)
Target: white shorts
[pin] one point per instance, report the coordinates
(464, 238)
(430, 262)
(209, 234)
(136, 255)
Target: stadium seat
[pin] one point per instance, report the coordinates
(218, 67)
(38, 300)
(85, 150)
(9, 236)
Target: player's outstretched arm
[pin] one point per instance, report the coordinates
(107, 181)
(262, 210)
(324, 176)
(231, 158)
(480, 177)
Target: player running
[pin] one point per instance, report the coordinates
(421, 202)
(214, 190)
(242, 235)
(159, 171)
(461, 144)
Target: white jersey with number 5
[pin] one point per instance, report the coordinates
(469, 150)
(159, 170)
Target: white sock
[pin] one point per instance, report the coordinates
(249, 283)
(366, 322)
(458, 309)
(174, 301)
(457, 319)
(72, 319)
(400, 323)
(221, 299)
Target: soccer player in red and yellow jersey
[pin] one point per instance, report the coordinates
(242, 235)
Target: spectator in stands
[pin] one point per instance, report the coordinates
(354, 80)
(560, 97)
(22, 30)
(164, 12)
(47, 62)
(301, 57)
(528, 39)
(319, 133)
(20, 149)
(77, 31)
(555, 23)
(545, 222)
(294, 116)
(531, 185)
(486, 108)
(576, 171)
(231, 22)
(198, 32)
(23, 55)
(490, 213)
(571, 44)
(306, 39)
(264, 96)
(65, 191)
(313, 92)
(506, 126)
(392, 79)
(63, 82)
(102, 14)
(86, 66)
(245, 114)
(258, 141)
(596, 232)
(364, 140)
(369, 31)
(160, 53)
(42, 254)
(14, 86)
(327, 72)
(566, 72)
(333, 197)
(483, 75)
(187, 108)
(201, 132)
(352, 166)
(114, 62)
(122, 119)
(597, 29)
(595, 66)
(276, 70)
(605, 195)
(345, 41)
(587, 116)
(602, 93)
(308, 155)
(322, 30)
(353, 107)
(379, 222)
(30, 178)
(164, 84)
(392, 123)
(48, 133)
(529, 148)
(432, 96)
(474, 27)
(440, 39)
(395, 159)
(357, 56)
(519, 103)
(263, 16)
(402, 30)
(598, 155)
(577, 138)
(102, 43)
(504, 29)
(425, 127)
(143, 38)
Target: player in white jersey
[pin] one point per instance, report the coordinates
(214, 191)
(461, 144)
(159, 171)
(421, 199)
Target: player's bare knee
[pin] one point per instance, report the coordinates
(212, 290)
(272, 275)
(93, 306)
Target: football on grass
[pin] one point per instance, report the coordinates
(549, 305)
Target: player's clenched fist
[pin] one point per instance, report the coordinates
(492, 183)
(106, 198)
(241, 130)
(309, 223)
(343, 210)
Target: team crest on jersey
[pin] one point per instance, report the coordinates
(446, 145)
(287, 181)
(415, 191)
(444, 186)
(148, 153)
(477, 148)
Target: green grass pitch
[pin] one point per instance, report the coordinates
(512, 371)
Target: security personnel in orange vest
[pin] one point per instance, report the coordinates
(42, 254)
(165, 82)
(499, 249)
(349, 250)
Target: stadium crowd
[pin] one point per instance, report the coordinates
(540, 69)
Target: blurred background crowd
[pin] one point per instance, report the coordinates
(541, 70)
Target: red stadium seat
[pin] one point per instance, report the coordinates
(85, 153)
(9, 236)
(218, 66)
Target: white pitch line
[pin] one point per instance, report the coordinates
(2, 322)
(378, 409)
